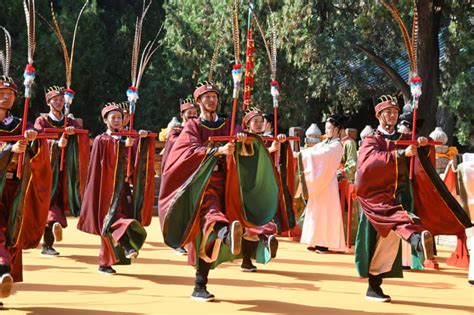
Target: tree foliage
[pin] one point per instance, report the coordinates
(326, 57)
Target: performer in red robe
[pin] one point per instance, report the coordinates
(69, 183)
(109, 208)
(253, 122)
(188, 110)
(24, 201)
(382, 188)
(208, 227)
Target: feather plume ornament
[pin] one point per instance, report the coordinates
(30, 72)
(138, 69)
(237, 67)
(414, 36)
(68, 55)
(215, 53)
(410, 43)
(271, 48)
(6, 55)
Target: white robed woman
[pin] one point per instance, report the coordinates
(323, 228)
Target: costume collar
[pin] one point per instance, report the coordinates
(53, 118)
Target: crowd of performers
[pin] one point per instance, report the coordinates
(227, 188)
(221, 198)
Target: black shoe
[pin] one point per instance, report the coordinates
(311, 248)
(6, 283)
(234, 238)
(470, 283)
(49, 251)
(272, 245)
(322, 250)
(180, 251)
(248, 267)
(375, 293)
(107, 270)
(201, 294)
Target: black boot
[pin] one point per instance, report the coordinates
(48, 241)
(200, 292)
(374, 292)
(107, 270)
(248, 249)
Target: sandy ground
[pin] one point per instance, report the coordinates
(160, 282)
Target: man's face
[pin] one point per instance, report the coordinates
(114, 120)
(7, 98)
(388, 116)
(256, 124)
(209, 102)
(57, 102)
(126, 118)
(331, 131)
(189, 114)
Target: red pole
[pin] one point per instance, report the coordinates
(349, 215)
(129, 161)
(232, 122)
(62, 149)
(19, 168)
(413, 138)
(275, 121)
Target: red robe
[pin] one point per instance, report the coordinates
(108, 208)
(170, 140)
(22, 227)
(380, 173)
(188, 152)
(61, 202)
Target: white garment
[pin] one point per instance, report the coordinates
(470, 246)
(467, 169)
(323, 225)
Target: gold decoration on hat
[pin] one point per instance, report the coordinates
(388, 98)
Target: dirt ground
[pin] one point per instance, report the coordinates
(160, 282)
